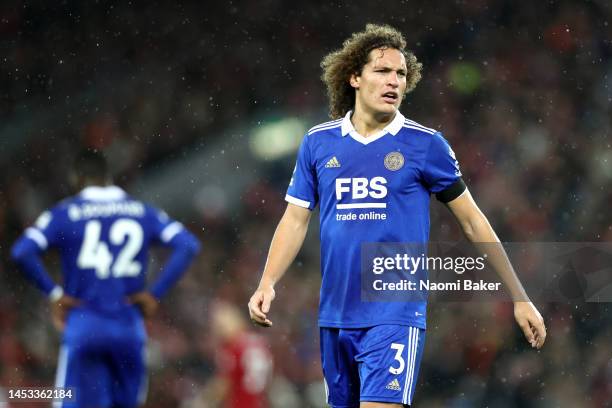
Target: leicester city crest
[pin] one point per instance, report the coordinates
(394, 161)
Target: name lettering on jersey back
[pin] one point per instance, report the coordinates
(82, 211)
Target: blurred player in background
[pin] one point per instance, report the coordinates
(243, 361)
(372, 172)
(103, 237)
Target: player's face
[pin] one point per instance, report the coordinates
(381, 85)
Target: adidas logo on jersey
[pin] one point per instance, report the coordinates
(333, 162)
(394, 385)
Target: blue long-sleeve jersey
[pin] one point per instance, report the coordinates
(103, 237)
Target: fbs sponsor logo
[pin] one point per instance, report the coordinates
(332, 163)
(361, 187)
(394, 385)
(358, 188)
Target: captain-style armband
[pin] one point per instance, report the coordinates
(452, 192)
(56, 294)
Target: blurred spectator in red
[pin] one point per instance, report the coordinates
(244, 363)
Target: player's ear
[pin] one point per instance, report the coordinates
(354, 80)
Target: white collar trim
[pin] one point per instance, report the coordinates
(393, 128)
(107, 193)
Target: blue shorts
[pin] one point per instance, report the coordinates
(102, 360)
(377, 364)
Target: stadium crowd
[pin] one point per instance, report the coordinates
(522, 90)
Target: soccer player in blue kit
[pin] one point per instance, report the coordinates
(372, 171)
(103, 236)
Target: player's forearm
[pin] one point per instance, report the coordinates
(286, 243)
(478, 230)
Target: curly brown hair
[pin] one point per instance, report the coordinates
(339, 65)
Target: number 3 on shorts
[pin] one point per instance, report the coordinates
(398, 357)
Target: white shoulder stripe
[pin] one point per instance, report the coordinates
(325, 128)
(431, 132)
(331, 122)
(413, 123)
(37, 236)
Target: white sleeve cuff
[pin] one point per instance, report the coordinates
(35, 235)
(56, 294)
(297, 201)
(170, 231)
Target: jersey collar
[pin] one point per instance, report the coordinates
(107, 193)
(393, 128)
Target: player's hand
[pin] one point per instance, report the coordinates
(146, 302)
(259, 305)
(60, 309)
(532, 323)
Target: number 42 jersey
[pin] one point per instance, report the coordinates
(374, 189)
(103, 237)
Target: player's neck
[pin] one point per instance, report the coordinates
(369, 123)
(96, 182)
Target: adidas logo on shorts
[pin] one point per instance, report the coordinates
(333, 162)
(394, 385)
